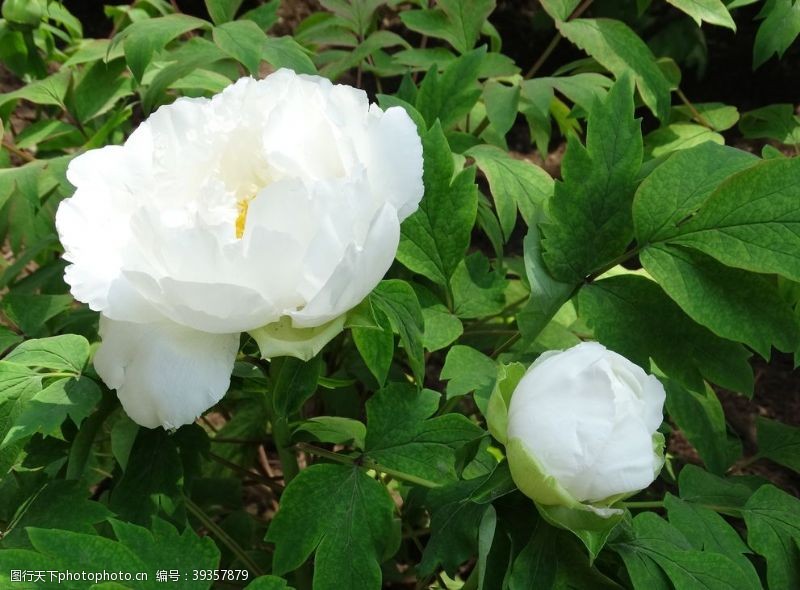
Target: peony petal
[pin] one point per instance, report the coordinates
(394, 160)
(625, 464)
(356, 275)
(282, 339)
(165, 374)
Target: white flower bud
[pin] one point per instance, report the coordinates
(580, 427)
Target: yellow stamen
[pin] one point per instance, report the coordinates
(242, 206)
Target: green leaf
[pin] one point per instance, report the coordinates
(779, 442)
(222, 11)
(719, 116)
(152, 478)
(58, 505)
(458, 22)
(676, 189)
(345, 517)
(514, 184)
(700, 416)
(478, 291)
(466, 370)
(548, 295)
(376, 346)
(402, 436)
(617, 48)
(48, 91)
(68, 352)
(144, 38)
(450, 96)
(752, 220)
(711, 11)
(435, 238)
(707, 531)
(30, 312)
(535, 566)
(718, 297)
(100, 88)
(656, 547)
(285, 52)
(442, 328)
(397, 300)
(560, 9)
(634, 317)
(773, 530)
(454, 526)
(776, 121)
(9, 339)
(136, 550)
(335, 430)
(243, 40)
(502, 102)
(780, 28)
(678, 136)
(590, 219)
(293, 383)
(701, 487)
(47, 410)
(264, 15)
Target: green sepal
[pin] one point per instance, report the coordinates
(508, 376)
(281, 338)
(531, 479)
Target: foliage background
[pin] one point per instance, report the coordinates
(474, 289)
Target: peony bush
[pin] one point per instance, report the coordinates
(363, 294)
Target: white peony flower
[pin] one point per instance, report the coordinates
(580, 427)
(272, 208)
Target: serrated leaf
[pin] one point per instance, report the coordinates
(590, 218)
(343, 516)
(435, 238)
(701, 487)
(752, 220)
(450, 96)
(514, 184)
(403, 436)
(779, 442)
(655, 543)
(454, 526)
(68, 352)
(678, 136)
(397, 300)
(335, 430)
(502, 104)
(59, 504)
(222, 11)
(676, 189)
(780, 28)
(30, 312)
(144, 38)
(617, 48)
(718, 297)
(376, 346)
(773, 530)
(713, 12)
(707, 531)
(478, 291)
(285, 52)
(458, 22)
(243, 40)
(634, 317)
(467, 370)
(47, 409)
(293, 383)
(700, 416)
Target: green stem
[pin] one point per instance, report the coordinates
(226, 540)
(274, 486)
(367, 463)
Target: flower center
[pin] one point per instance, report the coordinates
(242, 206)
